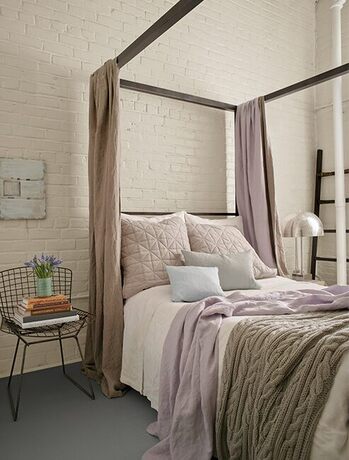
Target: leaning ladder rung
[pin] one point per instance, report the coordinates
(331, 201)
(319, 174)
(332, 230)
(331, 173)
(328, 259)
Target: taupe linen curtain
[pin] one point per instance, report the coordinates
(255, 186)
(104, 335)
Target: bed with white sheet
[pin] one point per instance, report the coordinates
(148, 316)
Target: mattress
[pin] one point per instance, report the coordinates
(148, 316)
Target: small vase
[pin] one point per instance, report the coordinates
(43, 287)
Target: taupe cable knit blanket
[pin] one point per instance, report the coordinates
(277, 375)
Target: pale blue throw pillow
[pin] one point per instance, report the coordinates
(190, 284)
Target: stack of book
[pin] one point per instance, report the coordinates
(44, 311)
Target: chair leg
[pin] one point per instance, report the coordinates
(82, 359)
(15, 405)
(89, 393)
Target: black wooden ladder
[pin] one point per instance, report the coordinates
(317, 203)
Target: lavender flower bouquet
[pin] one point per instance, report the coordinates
(43, 268)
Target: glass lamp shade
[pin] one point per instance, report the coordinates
(303, 224)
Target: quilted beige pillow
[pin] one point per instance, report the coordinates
(215, 239)
(153, 219)
(230, 221)
(146, 248)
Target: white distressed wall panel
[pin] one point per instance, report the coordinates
(22, 169)
(173, 153)
(22, 189)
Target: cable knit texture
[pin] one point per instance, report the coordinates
(277, 374)
(268, 362)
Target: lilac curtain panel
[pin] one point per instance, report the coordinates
(104, 335)
(255, 189)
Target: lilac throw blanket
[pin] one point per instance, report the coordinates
(189, 366)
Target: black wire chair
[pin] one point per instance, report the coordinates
(17, 283)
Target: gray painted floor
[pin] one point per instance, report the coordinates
(58, 422)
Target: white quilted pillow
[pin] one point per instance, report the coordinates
(146, 248)
(215, 239)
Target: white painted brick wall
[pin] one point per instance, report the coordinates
(323, 111)
(174, 154)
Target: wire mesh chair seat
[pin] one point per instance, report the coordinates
(54, 330)
(17, 283)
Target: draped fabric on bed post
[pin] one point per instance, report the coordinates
(255, 189)
(104, 335)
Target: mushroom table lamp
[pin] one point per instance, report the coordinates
(303, 224)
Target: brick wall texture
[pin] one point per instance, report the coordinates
(174, 155)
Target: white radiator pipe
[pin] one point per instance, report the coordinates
(341, 243)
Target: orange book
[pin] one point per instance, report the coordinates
(39, 300)
(43, 305)
(37, 306)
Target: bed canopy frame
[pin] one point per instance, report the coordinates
(181, 9)
(169, 19)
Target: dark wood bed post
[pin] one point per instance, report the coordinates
(308, 82)
(168, 93)
(162, 25)
(169, 19)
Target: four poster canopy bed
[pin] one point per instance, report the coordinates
(198, 314)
